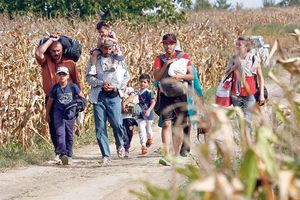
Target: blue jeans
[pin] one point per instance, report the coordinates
(246, 104)
(108, 108)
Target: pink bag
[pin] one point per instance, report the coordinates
(223, 92)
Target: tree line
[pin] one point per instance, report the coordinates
(132, 10)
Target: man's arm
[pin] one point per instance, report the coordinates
(159, 72)
(40, 51)
(91, 79)
(126, 77)
(189, 76)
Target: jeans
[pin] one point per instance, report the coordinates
(108, 109)
(64, 133)
(246, 103)
(128, 124)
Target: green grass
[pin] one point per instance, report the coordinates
(209, 95)
(273, 29)
(12, 155)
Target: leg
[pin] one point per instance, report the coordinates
(60, 129)
(69, 136)
(149, 128)
(126, 134)
(100, 126)
(113, 106)
(177, 139)
(185, 148)
(166, 136)
(142, 131)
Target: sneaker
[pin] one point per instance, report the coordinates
(126, 153)
(64, 159)
(144, 150)
(164, 161)
(149, 142)
(56, 159)
(70, 160)
(105, 162)
(121, 152)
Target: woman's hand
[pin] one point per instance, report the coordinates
(261, 100)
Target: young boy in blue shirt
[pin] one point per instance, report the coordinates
(62, 94)
(147, 103)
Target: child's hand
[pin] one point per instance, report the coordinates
(147, 112)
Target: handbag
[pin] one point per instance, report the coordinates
(257, 93)
(223, 91)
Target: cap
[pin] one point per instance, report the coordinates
(169, 38)
(62, 70)
(107, 43)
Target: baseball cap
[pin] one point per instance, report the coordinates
(169, 38)
(107, 43)
(62, 70)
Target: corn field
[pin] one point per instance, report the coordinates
(208, 37)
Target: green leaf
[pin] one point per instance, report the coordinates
(280, 115)
(249, 172)
(264, 149)
(190, 171)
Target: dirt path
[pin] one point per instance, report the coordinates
(85, 179)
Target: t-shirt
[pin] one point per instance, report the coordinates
(63, 96)
(145, 98)
(49, 72)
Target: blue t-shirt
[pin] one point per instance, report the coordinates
(63, 96)
(145, 98)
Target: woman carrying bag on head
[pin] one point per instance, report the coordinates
(244, 66)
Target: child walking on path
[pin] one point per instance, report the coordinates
(129, 100)
(147, 103)
(105, 34)
(61, 94)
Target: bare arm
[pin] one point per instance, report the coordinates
(189, 76)
(40, 51)
(261, 83)
(158, 73)
(48, 108)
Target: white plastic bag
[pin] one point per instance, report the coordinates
(178, 66)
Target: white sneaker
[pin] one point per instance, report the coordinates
(57, 160)
(105, 162)
(121, 152)
(93, 70)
